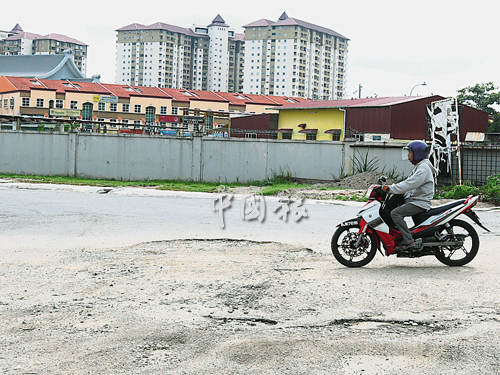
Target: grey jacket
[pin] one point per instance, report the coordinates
(419, 185)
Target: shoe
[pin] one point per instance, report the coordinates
(415, 245)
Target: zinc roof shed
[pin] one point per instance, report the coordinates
(402, 117)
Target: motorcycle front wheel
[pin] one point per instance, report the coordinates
(344, 247)
(467, 245)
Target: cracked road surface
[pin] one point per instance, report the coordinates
(221, 306)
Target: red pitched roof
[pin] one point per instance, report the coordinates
(234, 98)
(26, 84)
(133, 26)
(259, 23)
(62, 38)
(284, 20)
(161, 26)
(33, 36)
(126, 91)
(23, 35)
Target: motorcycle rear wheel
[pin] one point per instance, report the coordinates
(462, 254)
(344, 246)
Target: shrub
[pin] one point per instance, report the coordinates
(492, 187)
(461, 191)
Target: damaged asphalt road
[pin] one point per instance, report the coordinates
(221, 306)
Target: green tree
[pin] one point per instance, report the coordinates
(480, 96)
(495, 125)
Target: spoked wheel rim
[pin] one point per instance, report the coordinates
(467, 244)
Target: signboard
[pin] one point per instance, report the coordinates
(193, 120)
(170, 118)
(97, 98)
(64, 112)
(109, 99)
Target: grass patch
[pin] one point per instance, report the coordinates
(354, 197)
(271, 187)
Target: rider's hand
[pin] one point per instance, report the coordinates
(385, 188)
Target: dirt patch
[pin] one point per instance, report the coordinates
(232, 307)
(350, 188)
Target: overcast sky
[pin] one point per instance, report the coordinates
(393, 46)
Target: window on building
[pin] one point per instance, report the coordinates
(336, 136)
(137, 108)
(250, 135)
(359, 137)
(25, 102)
(286, 135)
(175, 110)
(150, 115)
(311, 136)
(73, 104)
(113, 107)
(125, 107)
(40, 102)
(6, 103)
(87, 111)
(59, 103)
(163, 110)
(101, 106)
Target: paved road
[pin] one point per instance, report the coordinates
(65, 216)
(153, 308)
(55, 216)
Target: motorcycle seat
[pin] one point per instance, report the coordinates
(421, 217)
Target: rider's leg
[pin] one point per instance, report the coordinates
(398, 216)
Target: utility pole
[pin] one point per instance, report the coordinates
(359, 90)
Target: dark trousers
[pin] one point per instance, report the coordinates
(398, 216)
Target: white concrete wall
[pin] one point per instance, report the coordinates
(135, 157)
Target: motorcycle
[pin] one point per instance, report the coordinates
(437, 232)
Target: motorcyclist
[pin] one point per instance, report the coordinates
(418, 189)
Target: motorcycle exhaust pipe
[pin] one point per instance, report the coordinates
(445, 243)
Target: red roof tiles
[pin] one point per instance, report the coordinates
(33, 36)
(284, 20)
(126, 91)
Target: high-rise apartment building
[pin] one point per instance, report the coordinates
(294, 58)
(199, 58)
(18, 42)
(288, 57)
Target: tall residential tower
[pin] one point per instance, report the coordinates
(288, 57)
(295, 58)
(198, 58)
(18, 42)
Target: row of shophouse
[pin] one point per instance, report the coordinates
(118, 106)
(124, 105)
